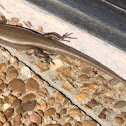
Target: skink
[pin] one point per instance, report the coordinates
(23, 38)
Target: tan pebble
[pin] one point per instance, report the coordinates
(110, 93)
(57, 63)
(36, 77)
(123, 115)
(42, 66)
(40, 113)
(104, 87)
(27, 106)
(9, 99)
(83, 77)
(32, 85)
(1, 81)
(51, 101)
(17, 85)
(3, 85)
(2, 118)
(77, 123)
(65, 101)
(66, 85)
(102, 115)
(84, 65)
(7, 124)
(43, 105)
(1, 102)
(92, 103)
(74, 112)
(108, 100)
(70, 59)
(82, 96)
(16, 64)
(28, 97)
(113, 81)
(57, 116)
(49, 112)
(2, 76)
(40, 29)
(119, 120)
(89, 123)
(120, 104)
(38, 106)
(122, 89)
(63, 111)
(9, 112)
(12, 59)
(74, 68)
(16, 120)
(3, 66)
(1, 124)
(16, 103)
(19, 24)
(67, 124)
(28, 24)
(34, 117)
(30, 52)
(44, 90)
(58, 105)
(88, 70)
(59, 97)
(88, 87)
(95, 95)
(15, 19)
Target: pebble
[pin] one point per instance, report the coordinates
(27, 106)
(123, 115)
(3, 85)
(3, 66)
(9, 112)
(28, 97)
(102, 115)
(82, 96)
(17, 85)
(119, 120)
(89, 123)
(16, 120)
(67, 124)
(16, 103)
(7, 124)
(59, 97)
(35, 118)
(92, 103)
(51, 101)
(78, 123)
(63, 111)
(11, 73)
(74, 112)
(32, 85)
(2, 118)
(88, 87)
(44, 90)
(67, 86)
(43, 105)
(52, 125)
(83, 77)
(49, 112)
(120, 104)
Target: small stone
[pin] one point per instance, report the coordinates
(92, 103)
(108, 100)
(95, 95)
(28, 24)
(3, 66)
(78, 123)
(51, 101)
(17, 85)
(59, 97)
(119, 120)
(67, 124)
(7, 124)
(9, 112)
(52, 125)
(66, 85)
(32, 85)
(40, 29)
(44, 90)
(88, 87)
(11, 73)
(110, 93)
(113, 81)
(56, 64)
(63, 111)
(100, 79)
(89, 123)
(43, 105)
(122, 89)
(2, 118)
(16, 103)
(2, 76)
(35, 118)
(40, 113)
(3, 85)
(1, 102)
(42, 66)
(83, 77)
(3, 19)
(9, 99)
(123, 115)
(49, 112)
(28, 97)
(120, 104)
(16, 120)
(102, 115)
(27, 106)
(74, 112)
(15, 19)
(82, 96)
(65, 101)
(88, 70)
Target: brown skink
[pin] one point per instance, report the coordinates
(23, 38)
